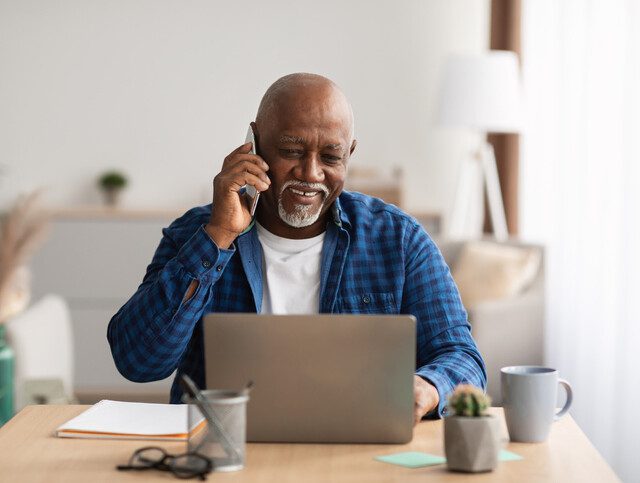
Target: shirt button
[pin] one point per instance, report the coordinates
(206, 263)
(219, 268)
(366, 299)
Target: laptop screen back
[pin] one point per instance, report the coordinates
(318, 378)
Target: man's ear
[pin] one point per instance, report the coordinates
(353, 147)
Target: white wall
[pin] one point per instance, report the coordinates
(164, 89)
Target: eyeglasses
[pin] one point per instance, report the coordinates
(187, 465)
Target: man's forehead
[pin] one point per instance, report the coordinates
(325, 99)
(311, 116)
(316, 111)
(326, 103)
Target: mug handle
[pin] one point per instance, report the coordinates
(567, 404)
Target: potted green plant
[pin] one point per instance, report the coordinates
(471, 436)
(112, 183)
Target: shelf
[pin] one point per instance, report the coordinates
(119, 214)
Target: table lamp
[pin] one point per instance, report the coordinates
(480, 92)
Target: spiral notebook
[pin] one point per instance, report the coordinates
(130, 420)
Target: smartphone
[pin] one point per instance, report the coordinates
(251, 194)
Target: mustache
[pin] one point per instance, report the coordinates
(304, 184)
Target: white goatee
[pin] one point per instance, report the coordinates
(302, 215)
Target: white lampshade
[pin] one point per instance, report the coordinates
(481, 92)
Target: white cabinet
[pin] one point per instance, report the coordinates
(96, 259)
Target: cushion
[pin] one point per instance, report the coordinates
(488, 271)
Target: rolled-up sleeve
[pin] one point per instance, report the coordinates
(446, 354)
(150, 333)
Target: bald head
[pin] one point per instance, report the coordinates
(304, 132)
(309, 92)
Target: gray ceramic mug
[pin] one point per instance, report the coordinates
(529, 395)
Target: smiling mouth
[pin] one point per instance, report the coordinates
(306, 194)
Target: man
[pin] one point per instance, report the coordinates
(311, 248)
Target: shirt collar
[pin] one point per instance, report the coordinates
(340, 218)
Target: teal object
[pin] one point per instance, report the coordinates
(412, 459)
(509, 456)
(415, 459)
(6, 379)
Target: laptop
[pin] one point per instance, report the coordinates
(318, 378)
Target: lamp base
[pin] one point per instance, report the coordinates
(477, 175)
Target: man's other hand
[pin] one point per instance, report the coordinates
(425, 398)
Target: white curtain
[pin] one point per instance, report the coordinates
(580, 181)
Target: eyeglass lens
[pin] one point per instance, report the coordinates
(183, 466)
(145, 457)
(186, 465)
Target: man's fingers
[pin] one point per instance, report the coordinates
(244, 149)
(236, 158)
(425, 398)
(249, 178)
(417, 414)
(249, 167)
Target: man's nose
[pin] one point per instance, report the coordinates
(310, 169)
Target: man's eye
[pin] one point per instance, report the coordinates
(291, 153)
(327, 158)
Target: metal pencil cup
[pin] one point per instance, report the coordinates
(221, 436)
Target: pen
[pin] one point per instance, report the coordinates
(196, 395)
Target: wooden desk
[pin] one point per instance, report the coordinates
(30, 453)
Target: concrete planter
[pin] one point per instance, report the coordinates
(112, 196)
(471, 444)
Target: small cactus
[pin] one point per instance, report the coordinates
(467, 400)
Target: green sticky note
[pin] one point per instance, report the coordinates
(509, 456)
(415, 459)
(412, 459)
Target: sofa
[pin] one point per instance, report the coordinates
(509, 330)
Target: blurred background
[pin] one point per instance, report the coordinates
(523, 166)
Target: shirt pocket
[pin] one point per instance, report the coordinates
(367, 303)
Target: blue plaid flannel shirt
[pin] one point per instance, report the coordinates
(375, 259)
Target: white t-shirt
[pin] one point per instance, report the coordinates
(290, 273)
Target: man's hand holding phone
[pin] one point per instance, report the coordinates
(231, 214)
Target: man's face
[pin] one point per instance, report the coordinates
(307, 143)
